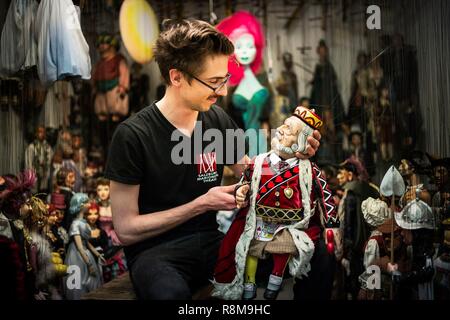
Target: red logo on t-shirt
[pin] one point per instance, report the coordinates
(207, 163)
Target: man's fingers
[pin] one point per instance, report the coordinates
(301, 155)
(313, 142)
(316, 134)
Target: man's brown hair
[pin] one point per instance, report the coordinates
(184, 45)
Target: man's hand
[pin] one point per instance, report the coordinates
(241, 195)
(220, 198)
(337, 239)
(312, 146)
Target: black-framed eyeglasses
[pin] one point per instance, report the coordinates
(214, 89)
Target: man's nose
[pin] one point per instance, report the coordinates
(222, 91)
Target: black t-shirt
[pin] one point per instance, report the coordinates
(142, 152)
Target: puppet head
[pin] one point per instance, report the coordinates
(37, 214)
(441, 169)
(288, 61)
(52, 215)
(375, 212)
(245, 31)
(406, 168)
(322, 50)
(17, 194)
(78, 203)
(65, 177)
(352, 169)
(103, 189)
(40, 133)
(291, 136)
(92, 213)
(107, 42)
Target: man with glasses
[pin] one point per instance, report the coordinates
(165, 213)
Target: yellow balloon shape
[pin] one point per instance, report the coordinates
(139, 29)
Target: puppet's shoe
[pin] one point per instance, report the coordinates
(249, 291)
(273, 287)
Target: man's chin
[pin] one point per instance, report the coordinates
(202, 108)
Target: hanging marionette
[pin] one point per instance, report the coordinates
(287, 92)
(250, 100)
(38, 157)
(283, 201)
(384, 123)
(111, 79)
(409, 173)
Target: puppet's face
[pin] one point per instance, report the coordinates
(405, 168)
(106, 48)
(440, 176)
(52, 218)
(356, 140)
(344, 176)
(244, 49)
(323, 52)
(59, 216)
(103, 192)
(287, 60)
(76, 142)
(25, 210)
(91, 170)
(70, 179)
(66, 136)
(92, 216)
(285, 142)
(40, 133)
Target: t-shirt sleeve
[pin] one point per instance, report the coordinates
(125, 157)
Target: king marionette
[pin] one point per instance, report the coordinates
(284, 208)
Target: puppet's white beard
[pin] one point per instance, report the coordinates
(278, 147)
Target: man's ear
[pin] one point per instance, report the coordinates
(175, 77)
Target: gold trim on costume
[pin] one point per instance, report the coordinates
(271, 214)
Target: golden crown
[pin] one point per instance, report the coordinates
(309, 117)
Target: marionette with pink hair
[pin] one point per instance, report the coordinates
(250, 96)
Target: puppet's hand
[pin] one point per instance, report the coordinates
(312, 146)
(333, 240)
(91, 269)
(241, 196)
(391, 268)
(101, 259)
(40, 295)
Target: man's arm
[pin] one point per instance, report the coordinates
(131, 227)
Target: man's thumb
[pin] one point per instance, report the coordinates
(229, 189)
